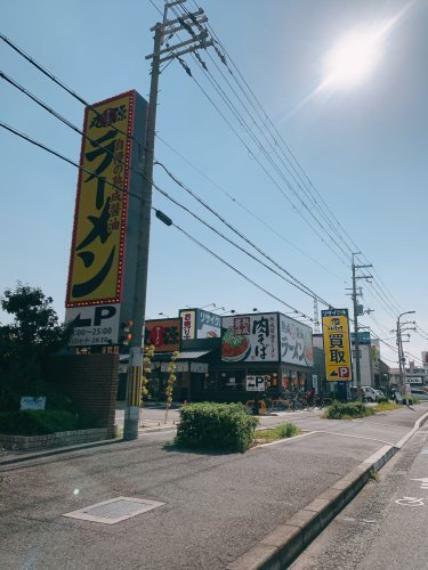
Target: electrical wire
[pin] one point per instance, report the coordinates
(65, 121)
(233, 268)
(237, 246)
(64, 158)
(268, 157)
(245, 208)
(276, 139)
(297, 281)
(72, 163)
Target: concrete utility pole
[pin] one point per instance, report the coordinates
(199, 40)
(357, 312)
(401, 357)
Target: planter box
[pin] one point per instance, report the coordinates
(58, 439)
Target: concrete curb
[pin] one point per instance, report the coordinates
(60, 451)
(281, 547)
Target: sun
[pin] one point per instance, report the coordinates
(353, 59)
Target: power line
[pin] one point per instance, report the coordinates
(60, 83)
(243, 250)
(65, 121)
(255, 103)
(301, 285)
(71, 162)
(276, 148)
(233, 268)
(64, 158)
(245, 208)
(248, 129)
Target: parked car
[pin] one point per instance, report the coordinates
(371, 394)
(381, 395)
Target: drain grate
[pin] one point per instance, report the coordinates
(114, 510)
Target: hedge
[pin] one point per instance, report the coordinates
(32, 422)
(344, 410)
(212, 426)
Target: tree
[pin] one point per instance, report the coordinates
(27, 343)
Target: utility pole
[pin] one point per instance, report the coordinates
(357, 312)
(199, 40)
(401, 357)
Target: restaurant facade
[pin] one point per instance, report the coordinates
(231, 358)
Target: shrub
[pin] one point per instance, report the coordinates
(386, 406)
(279, 432)
(287, 430)
(346, 410)
(221, 427)
(40, 422)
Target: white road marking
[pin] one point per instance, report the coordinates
(424, 482)
(410, 502)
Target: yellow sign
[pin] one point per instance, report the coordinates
(97, 250)
(337, 351)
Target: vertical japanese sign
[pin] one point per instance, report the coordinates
(106, 218)
(188, 324)
(296, 342)
(335, 326)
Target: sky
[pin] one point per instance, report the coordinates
(363, 146)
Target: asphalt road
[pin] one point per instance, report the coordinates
(216, 506)
(385, 527)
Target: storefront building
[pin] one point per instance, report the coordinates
(233, 358)
(261, 354)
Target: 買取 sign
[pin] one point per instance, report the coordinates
(337, 353)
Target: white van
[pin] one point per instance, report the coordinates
(370, 394)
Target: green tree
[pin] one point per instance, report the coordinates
(27, 342)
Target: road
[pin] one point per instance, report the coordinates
(385, 526)
(215, 506)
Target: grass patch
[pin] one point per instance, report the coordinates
(282, 431)
(386, 407)
(348, 411)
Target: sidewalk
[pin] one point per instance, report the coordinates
(216, 506)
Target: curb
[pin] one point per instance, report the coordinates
(157, 429)
(283, 545)
(60, 451)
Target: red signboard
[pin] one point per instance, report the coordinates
(164, 334)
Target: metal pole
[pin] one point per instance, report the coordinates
(356, 339)
(136, 351)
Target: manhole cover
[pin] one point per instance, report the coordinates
(114, 510)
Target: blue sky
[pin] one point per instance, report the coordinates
(364, 148)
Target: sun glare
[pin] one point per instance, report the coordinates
(356, 55)
(353, 59)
